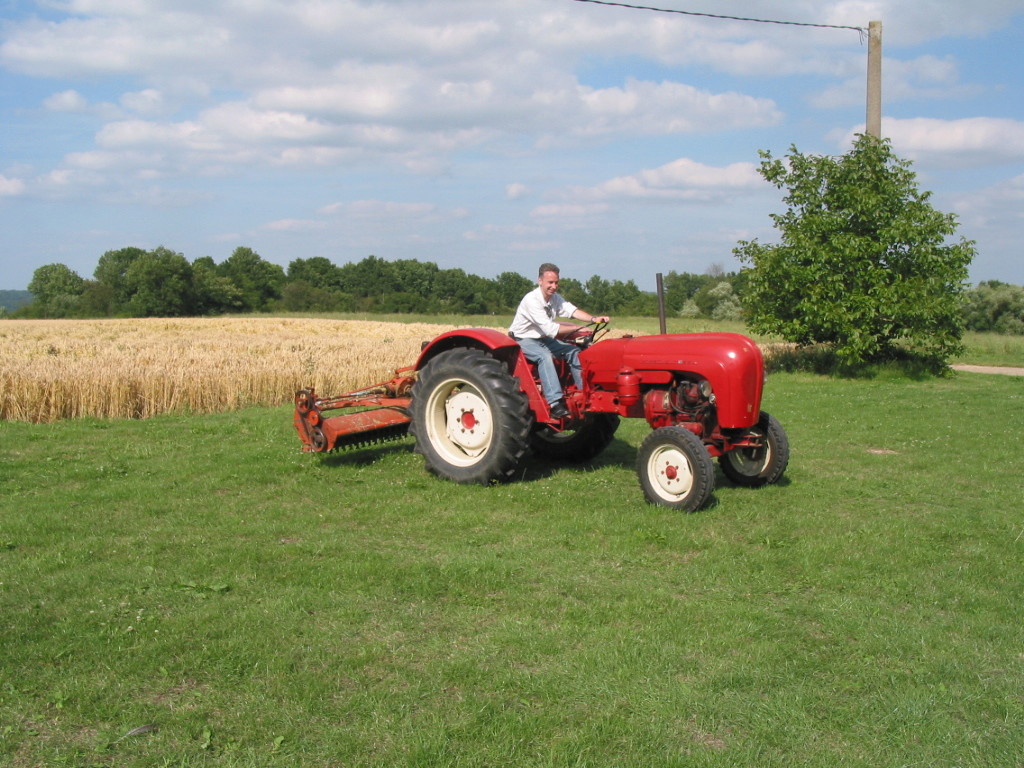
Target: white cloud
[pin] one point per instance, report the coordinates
(682, 179)
(67, 101)
(71, 101)
(496, 231)
(327, 82)
(569, 210)
(149, 101)
(379, 209)
(1003, 202)
(294, 225)
(923, 78)
(973, 141)
(11, 187)
(516, 191)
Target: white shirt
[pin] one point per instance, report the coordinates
(536, 317)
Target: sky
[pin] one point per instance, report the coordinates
(486, 135)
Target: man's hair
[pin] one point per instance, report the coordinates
(547, 268)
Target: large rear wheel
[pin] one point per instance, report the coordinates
(581, 443)
(675, 469)
(470, 419)
(754, 467)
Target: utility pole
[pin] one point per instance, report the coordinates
(874, 117)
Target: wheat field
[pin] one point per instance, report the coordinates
(138, 368)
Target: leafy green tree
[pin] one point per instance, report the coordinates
(112, 271)
(404, 302)
(57, 290)
(317, 272)
(573, 290)
(213, 293)
(680, 290)
(622, 295)
(97, 300)
(725, 303)
(415, 277)
(300, 296)
(457, 292)
(258, 281)
(863, 263)
(371, 277)
(160, 285)
(511, 287)
(995, 306)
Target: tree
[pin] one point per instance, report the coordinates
(259, 281)
(160, 285)
(316, 271)
(862, 264)
(726, 305)
(995, 306)
(57, 289)
(680, 290)
(111, 270)
(212, 292)
(512, 287)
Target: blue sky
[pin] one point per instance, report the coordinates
(481, 134)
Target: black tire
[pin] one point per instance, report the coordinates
(486, 439)
(755, 467)
(675, 469)
(587, 440)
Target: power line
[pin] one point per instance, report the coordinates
(860, 30)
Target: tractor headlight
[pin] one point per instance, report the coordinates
(705, 389)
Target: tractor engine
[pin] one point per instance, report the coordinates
(686, 403)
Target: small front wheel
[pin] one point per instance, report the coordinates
(754, 467)
(675, 469)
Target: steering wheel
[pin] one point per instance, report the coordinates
(584, 341)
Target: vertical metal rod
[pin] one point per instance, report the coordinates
(873, 126)
(661, 305)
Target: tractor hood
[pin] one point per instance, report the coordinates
(731, 362)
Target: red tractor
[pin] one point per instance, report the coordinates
(474, 405)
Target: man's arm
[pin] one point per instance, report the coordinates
(582, 314)
(566, 330)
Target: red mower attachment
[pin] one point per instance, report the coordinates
(372, 415)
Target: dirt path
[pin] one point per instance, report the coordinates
(989, 369)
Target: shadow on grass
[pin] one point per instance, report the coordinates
(822, 360)
(619, 454)
(365, 455)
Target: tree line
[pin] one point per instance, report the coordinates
(132, 282)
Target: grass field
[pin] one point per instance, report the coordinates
(191, 590)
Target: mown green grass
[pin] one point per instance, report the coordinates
(263, 607)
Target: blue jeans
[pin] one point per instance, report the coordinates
(543, 352)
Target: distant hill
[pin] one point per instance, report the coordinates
(11, 300)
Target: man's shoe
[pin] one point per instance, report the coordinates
(559, 411)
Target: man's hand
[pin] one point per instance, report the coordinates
(568, 331)
(580, 333)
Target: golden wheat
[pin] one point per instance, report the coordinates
(59, 369)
